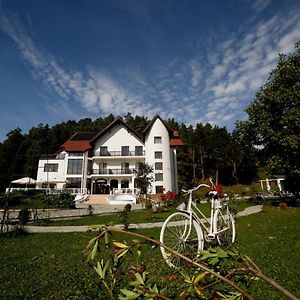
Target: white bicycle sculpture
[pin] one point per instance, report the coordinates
(186, 230)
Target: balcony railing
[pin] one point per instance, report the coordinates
(120, 153)
(52, 156)
(111, 171)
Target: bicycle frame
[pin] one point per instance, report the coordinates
(196, 214)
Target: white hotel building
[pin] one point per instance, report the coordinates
(104, 162)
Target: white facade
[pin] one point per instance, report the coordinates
(109, 163)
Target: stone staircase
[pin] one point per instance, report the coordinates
(96, 199)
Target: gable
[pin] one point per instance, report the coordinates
(116, 137)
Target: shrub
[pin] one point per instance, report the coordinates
(23, 216)
(63, 200)
(124, 219)
(216, 274)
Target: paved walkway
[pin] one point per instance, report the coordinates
(39, 229)
(80, 211)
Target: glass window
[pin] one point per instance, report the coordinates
(125, 150)
(124, 183)
(137, 166)
(125, 168)
(75, 153)
(157, 140)
(157, 154)
(50, 167)
(158, 166)
(102, 168)
(159, 177)
(74, 166)
(138, 150)
(73, 182)
(159, 189)
(103, 151)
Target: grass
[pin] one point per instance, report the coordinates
(52, 266)
(271, 239)
(135, 217)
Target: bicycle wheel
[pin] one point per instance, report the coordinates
(225, 226)
(174, 234)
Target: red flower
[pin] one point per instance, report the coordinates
(172, 277)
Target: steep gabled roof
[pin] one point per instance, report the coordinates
(175, 140)
(118, 120)
(153, 121)
(79, 142)
(83, 141)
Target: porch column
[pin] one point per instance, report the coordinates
(262, 185)
(279, 185)
(268, 184)
(92, 181)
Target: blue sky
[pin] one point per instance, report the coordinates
(196, 61)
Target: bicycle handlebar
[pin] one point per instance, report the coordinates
(196, 188)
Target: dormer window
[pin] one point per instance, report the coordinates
(125, 150)
(103, 151)
(157, 140)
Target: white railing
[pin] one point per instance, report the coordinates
(73, 191)
(12, 189)
(133, 191)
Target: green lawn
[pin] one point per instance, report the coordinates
(52, 266)
(135, 217)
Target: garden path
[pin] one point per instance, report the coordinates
(39, 229)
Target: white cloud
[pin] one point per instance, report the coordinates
(260, 5)
(212, 87)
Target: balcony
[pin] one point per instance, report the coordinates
(119, 153)
(111, 171)
(52, 156)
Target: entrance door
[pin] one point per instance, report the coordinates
(100, 186)
(114, 183)
(125, 184)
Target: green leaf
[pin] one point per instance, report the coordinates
(123, 252)
(106, 238)
(130, 295)
(99, 270)
(105, 267)
(139, 278)
(120, 245)
(200, 277)
(94, 251)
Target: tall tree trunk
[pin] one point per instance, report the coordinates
(192, 153)
(202, 164)
(217, 176)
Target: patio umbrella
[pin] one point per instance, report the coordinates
(24, 180)
(54, 180)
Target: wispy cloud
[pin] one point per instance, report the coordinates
(96, 92)
(244, 65)
(213, 84)
(260, 5)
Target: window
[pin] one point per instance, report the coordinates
(74, 166)
(159, 177)
(157, 140)
(125, 150)
(103, 151)
(73, 182)
(124, 184)
(102, 168)
(125, 168)
(50, 167)
(75, 153)
(138, 150)
(159, 189)
(137, 166)
(158, 166)
(157, 154)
